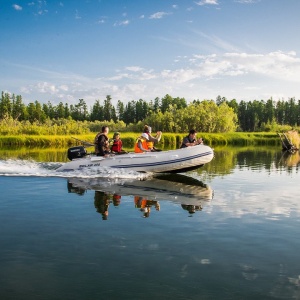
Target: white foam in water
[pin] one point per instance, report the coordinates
(31, 168)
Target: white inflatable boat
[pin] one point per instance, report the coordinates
(179, 160)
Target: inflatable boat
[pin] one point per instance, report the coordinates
(179, 160)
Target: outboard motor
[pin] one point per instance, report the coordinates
(76, 152)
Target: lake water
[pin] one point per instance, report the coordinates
(229, 230)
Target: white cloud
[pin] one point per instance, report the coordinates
(247, 1)
(135, 73)
(207, 2)
(17, 7)
(46, 87)
(119, 76)
(148, 75)
(218, 42)
(63, 87)
(233, 74)
(135, 88)
(159, 15)
(40, 7)
(134, 69)
(125, 22)
(280, 65)
(179, 75)
(122, 23)
(102, 20)
(41, 12)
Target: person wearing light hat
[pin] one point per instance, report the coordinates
(145, 143)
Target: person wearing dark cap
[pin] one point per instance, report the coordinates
(190, 140)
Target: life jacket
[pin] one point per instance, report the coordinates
(140, 202)
(116, 146)
(144, 145)
(96, 142)
(150, 144)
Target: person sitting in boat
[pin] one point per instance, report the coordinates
(116, 147)
(145, 143)
(101, 142)
(151, 142)
(190, 140)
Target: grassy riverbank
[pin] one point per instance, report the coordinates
(128, 138)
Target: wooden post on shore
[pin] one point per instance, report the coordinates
(287, 139)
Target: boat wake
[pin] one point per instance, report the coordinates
(48, 169)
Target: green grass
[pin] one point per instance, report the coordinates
(171, 140)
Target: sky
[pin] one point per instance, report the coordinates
(63, 51)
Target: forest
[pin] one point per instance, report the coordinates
(167, 114)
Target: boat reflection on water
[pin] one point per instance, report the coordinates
(148, 194)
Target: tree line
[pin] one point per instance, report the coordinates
(167, 113)
(259, 115)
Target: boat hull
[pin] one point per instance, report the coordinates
(156, 162)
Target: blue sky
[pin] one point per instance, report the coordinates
(131, 49)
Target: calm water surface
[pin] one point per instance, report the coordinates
(229, 230)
